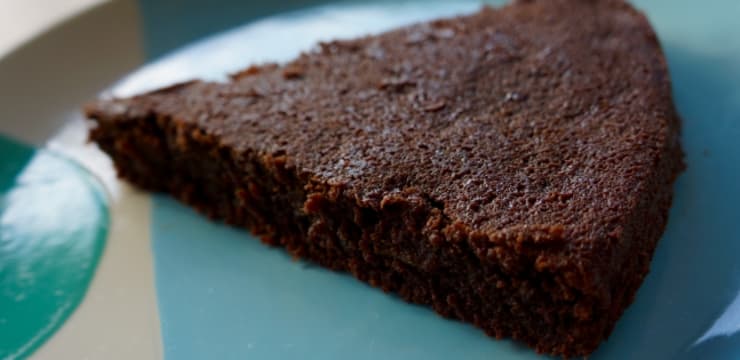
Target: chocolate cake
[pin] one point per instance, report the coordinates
(511, 168)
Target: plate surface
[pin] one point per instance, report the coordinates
(221, 294)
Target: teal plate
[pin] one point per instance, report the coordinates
(224, 295)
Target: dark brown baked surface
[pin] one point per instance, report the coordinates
(512, 168)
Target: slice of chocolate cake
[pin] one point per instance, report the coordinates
(511, 168)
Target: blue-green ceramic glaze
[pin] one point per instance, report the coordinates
(53, 225)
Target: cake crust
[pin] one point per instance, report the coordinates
(511, 168)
